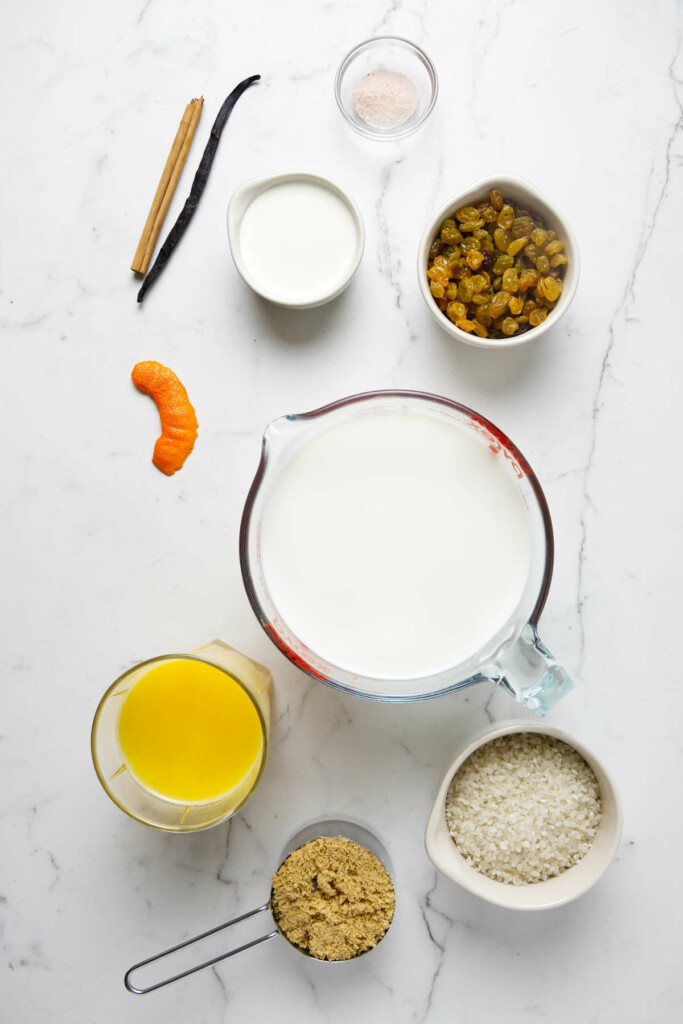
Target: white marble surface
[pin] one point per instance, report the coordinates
(107, 562)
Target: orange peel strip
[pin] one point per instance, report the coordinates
(178, 420)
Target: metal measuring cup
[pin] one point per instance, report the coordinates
(330, 828)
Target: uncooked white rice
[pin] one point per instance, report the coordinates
(523, 808)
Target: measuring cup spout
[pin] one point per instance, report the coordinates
(188, 942)
(530, 674)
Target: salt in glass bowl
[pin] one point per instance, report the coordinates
(525, 195)
(387, 53)
(554, 892)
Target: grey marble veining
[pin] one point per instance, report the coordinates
(107, 562)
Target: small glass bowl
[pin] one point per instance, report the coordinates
(143, 804)
(387, 53)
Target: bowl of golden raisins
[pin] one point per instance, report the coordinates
(498, 264)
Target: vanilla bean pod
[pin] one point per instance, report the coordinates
(198, 185)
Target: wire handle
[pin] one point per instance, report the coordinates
(188, 942)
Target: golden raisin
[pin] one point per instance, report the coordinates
(451, 235)
(510, 282)
(554, 247)
(496, 199)
(467, 213)
(551, 288)
(522, 226)
(509, 326)
(517, 245)
(498, 304)
(537, 316)
(502, 239)
(474, 259)
(466, 290)
(503, 263)
(506, 218)
(465, 325)
(527, 279)
(438, 275)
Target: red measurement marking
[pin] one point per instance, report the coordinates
(500, 443)
(293, 656)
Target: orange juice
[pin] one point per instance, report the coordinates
(190, 733)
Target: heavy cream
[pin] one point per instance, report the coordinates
(394, 544)
(298, 241)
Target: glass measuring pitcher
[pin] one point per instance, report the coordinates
(396, 545)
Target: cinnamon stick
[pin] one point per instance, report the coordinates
(198, 185)
(166, 187)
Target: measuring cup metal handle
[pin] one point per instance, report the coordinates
(529, 672)
(188, 942)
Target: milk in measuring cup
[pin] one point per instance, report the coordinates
(395, 544)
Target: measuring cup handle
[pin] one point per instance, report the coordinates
(529, 672)
(188, 942)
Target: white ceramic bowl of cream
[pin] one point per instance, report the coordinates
(569, 885)
(296, 238)
(525, 195)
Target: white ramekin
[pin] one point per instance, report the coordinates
(527, 195)
(573, 882)
(246, 194)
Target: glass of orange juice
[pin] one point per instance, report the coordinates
(179, 742)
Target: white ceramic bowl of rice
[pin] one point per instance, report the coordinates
(491, 842)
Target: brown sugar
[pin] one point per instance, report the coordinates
(333, 898)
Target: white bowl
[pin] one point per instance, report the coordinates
(246, 193)
(573, 882)
(526, 195)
